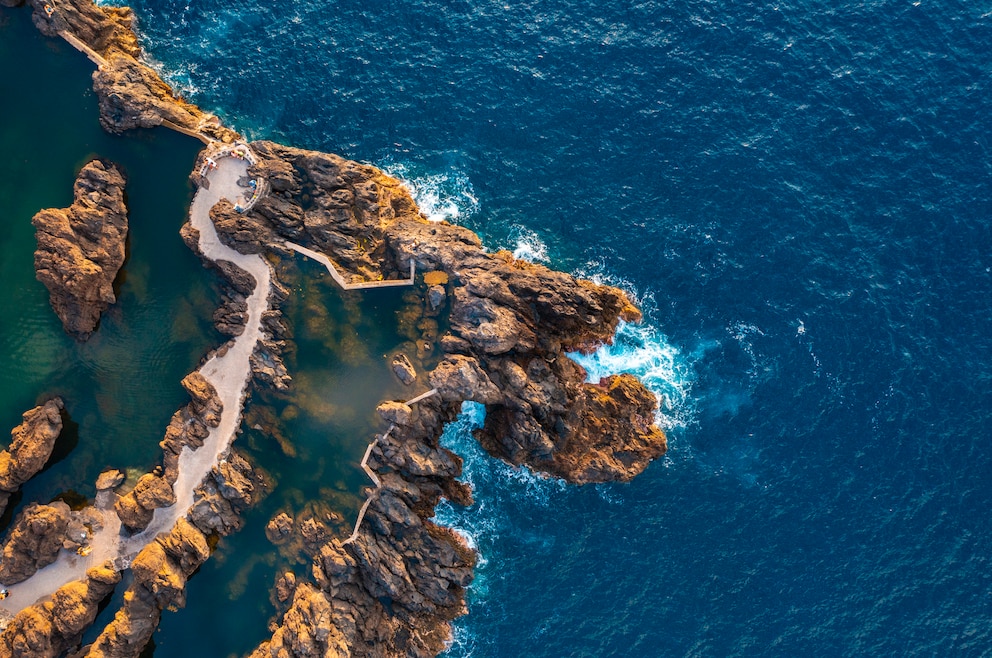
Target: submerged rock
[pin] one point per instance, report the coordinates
(403, 369)
(279, 529)
(81, 248)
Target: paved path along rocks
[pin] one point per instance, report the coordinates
(348, 285)
(229, 375)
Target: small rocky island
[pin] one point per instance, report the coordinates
(31, 445)
(482, 327)
(82, 248)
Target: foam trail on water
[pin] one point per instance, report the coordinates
(528, 246)
(505, 497)
(446, 197)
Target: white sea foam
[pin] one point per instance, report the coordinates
(528, 245)
(642, 350)
(442, 197)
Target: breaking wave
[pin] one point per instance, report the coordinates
(447, 197)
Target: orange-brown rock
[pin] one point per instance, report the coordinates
(395, 588)
(130, 93)
(50, 627)
(306, 631)
(160, 572)
(188, 427)
(81, 248)
(205, 402)
(609, 429)
(31, 444)
(34, 541)
(137, 507)
(511, 323)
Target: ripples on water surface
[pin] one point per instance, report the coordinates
(121, 386)
(802, 189)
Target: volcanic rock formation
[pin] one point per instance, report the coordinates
(81, 248)
(392, 589)
(30, 447)
(50, 627)
(34, 541)
(511, 323)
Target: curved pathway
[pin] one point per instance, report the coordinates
(229, 374)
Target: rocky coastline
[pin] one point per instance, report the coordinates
(508, 326)
(82, 248)
(484, 327)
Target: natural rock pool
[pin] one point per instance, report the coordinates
(123, 384)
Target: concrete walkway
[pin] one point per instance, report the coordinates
(372, 474)
(348, 285)
(229, 374)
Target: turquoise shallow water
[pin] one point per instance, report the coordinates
(328, 419)
(122, 386)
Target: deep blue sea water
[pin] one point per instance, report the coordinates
(799, 195)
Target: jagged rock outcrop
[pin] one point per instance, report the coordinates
(190, 425)
(510, 323)
(230, 488)
(102, 28)
(130, 94)
(460, 377)
(395, 588)
(50, 627)
(81, 248)
(188, 428)
(137, 507)
(279, 529)
(397, 413)
(232, 315)
(31, 445)
(160, 570)
(34, 541)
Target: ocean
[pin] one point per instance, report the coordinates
(797, 194)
